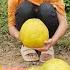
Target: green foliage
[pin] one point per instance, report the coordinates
(3, 16)
(67, 4)
(68, 16)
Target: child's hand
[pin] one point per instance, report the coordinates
(47, 45)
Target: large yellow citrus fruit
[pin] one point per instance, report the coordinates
(55, 64)
(33, 33)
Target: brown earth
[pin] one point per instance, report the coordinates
(10, 52)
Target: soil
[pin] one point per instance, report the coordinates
(10, 52)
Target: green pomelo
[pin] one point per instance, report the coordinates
(55, 64)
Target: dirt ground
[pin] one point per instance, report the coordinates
(10, 52)
(10, 47)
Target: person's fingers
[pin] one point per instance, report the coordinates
(45, 48)
(40, 49)
(50, 40)
(47, 45)
(47, 42)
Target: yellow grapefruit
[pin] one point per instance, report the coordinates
(33, 33)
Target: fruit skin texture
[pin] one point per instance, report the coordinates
(55, 64)
(33, 33)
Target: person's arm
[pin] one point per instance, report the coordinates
(58, 34)
(12, 4)
(14, 32)
(60, 7)
(62, 28)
